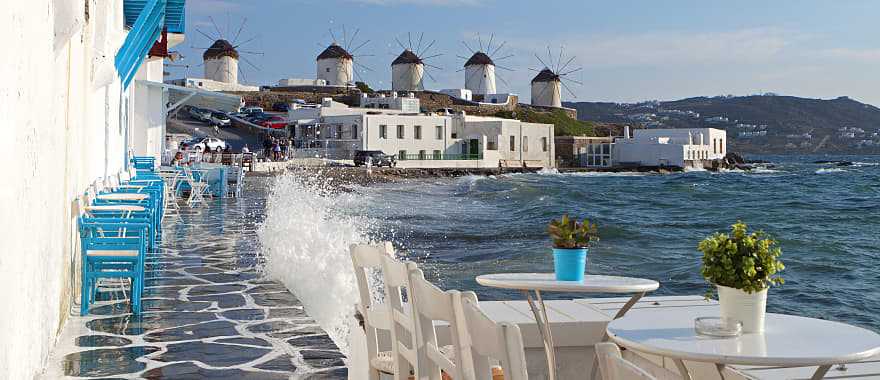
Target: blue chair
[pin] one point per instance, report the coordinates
(112, 248)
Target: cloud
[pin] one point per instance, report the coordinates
(851, 55)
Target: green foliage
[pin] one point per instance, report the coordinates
(365, 88)
(569, 233)
(563, 124)
(749, 262)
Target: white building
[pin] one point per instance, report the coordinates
(547, 89)
(406, 104)
(422, 140)
(289, 82)
(407, 72)
(460, 93)
(221, 70)
(211, 85)
(479, 74)
(335, 66)
(684, 147)
(80, 96)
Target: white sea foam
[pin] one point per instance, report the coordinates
(830, 171)
(691, 169)
(860, 164)
(305, 240)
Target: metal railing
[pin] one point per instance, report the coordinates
(440, 156)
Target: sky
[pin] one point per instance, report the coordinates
(627, 51)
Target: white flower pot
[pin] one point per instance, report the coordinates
(748, 308)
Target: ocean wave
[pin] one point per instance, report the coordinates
(305, 239)
(830, 170)
(861, 164)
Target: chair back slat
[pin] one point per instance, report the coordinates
(614, 367)
(367, 260)
(404, 346)
(430, 305)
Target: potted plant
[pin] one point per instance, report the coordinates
(742, 266)
(571, 241)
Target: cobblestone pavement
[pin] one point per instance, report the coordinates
(208, 313)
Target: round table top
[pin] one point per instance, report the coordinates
(115, 208)
(123, 197)
(787, 340)
(548, 282)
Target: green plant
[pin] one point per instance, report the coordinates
(569, 233)
(749, 262)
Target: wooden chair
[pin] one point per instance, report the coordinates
(404, 334)
(366, 259)
(490, 342)
(614, 367)
(430, 305)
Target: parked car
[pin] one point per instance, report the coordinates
(377, 157)
(200, 114)
(220, 119)
(252, 110)
(274, 122)
(281, 107)
(199, 144)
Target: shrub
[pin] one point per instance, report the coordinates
(749, 262)
(569, 233)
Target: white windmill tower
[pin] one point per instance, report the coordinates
(408, 69)
(479, 69)
(548, 83)
(221, 62)
(336, 63)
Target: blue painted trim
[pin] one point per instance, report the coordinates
(140, 39)
(175, 14)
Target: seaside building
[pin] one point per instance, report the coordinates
(678, 147)
(82, 94)
(395, 126)
(335, 66)
(221, 70)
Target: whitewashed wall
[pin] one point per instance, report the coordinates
(61, 122)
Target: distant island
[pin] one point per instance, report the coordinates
(762, 124)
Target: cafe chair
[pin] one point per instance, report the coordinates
(491, 342)
(614, 367)
(367, 262)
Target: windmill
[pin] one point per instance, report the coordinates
(336, 63)
(548, 83)
(479, 69)
(408, 69)
(221, 58)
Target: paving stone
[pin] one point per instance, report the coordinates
(322, 359)
(106, 361)
(222, 278)
(215, 289)
(282, 363)
(338, 373)
(212, 354)
(224, 301)
(152, 282)
(272, 326)
(189, 371)
(287, 312)
(276, 299)
(139, 324)
(246, 340)
(244, 314)
(101, 341)
(173, 305)
(272, 287)
(199, 331)
(313, 341)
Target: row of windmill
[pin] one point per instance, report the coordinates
(336, 66)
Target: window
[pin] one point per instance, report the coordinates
(417, 132)
(383, 131)
(401, 155)
(454, 135)
(714, 145)
(354, 131)
(491, 145)
(512, 143)
(422, 155)
(400, 131)
(525, 144)
(438, 155)
(328, 69)
(544, 144)
(439, 132)
(339, 132)
(721, 146)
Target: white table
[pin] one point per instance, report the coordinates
(787, 341)
(538, 282)
(123, 197)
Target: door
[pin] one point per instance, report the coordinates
(474, 150)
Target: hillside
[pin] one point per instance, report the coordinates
(757, 124)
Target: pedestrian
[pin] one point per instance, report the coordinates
(276, 150)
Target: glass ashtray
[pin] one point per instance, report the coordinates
(718, 327)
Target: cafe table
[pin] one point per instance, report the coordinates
(787, 341)
(529, 283)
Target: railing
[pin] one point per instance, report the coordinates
(444, 157)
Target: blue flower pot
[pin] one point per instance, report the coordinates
(570, 264)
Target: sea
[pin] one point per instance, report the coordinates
(826, 218)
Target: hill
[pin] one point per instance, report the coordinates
(759, 123)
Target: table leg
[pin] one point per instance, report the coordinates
(682, 369)
(544, 328)
(820, 372)
(720, 368)
(620, 313)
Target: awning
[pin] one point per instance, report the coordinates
(179, 96)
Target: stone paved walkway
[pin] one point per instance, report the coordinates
(208, 313)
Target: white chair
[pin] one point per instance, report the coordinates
(490, 342)
(366, 260)
(614, 367)
(430, 305)
(198, 188)
(404, 346)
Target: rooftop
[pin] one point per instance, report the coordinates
(479, 58)
(407, 57)
(546, 75)
(220, 48)
(335, 51)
